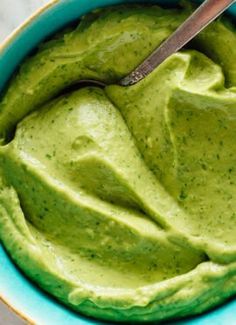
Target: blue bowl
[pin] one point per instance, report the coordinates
(19, 293)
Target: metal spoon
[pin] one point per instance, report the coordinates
(202, 17)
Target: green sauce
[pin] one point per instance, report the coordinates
(121, 202)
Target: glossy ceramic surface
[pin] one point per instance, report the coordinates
(19, 293)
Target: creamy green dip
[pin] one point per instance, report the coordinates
(121, 202)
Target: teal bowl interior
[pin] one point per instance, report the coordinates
(15, 289)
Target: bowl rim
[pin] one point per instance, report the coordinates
(16, 311)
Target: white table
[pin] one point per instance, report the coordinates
(12, 13)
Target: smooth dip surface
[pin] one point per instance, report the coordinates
(121, 202)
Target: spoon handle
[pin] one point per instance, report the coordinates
(202, 17)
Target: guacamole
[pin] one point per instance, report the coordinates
(121, 202)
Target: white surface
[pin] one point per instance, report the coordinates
(12, 13)
(8, 318)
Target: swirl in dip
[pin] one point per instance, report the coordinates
(121, 202)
